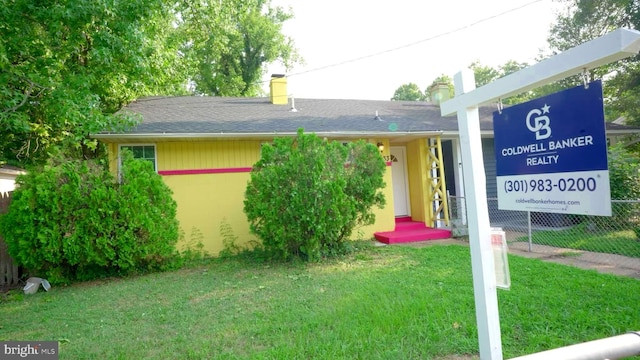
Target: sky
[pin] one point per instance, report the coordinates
(448, 34)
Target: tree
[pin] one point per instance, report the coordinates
(408, 92)
(485, 74)
(306, 195)
(586, 20)
(440, 80)
(66, 67)
(228, 42)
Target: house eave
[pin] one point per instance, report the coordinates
(489, 133)
(143, 137)
(456, 134)
(623, 132)
(11, 172)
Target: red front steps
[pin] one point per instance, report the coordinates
(410, 231)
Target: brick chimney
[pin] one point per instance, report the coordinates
(439, 93)
(278, 89)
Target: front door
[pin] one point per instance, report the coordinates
(399, 178)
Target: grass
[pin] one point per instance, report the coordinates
(580, 237)
(378, 303)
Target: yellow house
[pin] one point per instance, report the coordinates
(205, 147)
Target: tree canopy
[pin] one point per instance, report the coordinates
(66, 67)
(228, 41)
(442, 79)
(408, 92)
(581, 21)
(485, 74)
(586, 20)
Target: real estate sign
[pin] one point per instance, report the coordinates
(551, 154)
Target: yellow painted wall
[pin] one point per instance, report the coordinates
(207, 155)
(417, 172)
(112, 150)
(385, 218)
(205, 201)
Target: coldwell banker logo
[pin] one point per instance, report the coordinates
(40, 350)
(538, 122)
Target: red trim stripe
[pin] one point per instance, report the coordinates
(205, 171)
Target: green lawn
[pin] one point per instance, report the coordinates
(580, 237)
(378, 303)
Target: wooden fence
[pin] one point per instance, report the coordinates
(9, 274)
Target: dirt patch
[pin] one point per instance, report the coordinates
(461, 357)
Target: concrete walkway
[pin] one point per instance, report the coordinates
(604, 263)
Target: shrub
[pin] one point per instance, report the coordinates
(306, 195)
(624, 173)
(71, 220)
(624, 177)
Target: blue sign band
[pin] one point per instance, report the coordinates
(561, 132)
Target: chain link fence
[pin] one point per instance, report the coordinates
(613, 240)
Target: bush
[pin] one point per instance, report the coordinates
(624, 177)
(71, 220)
(624, 173)
(306, 195)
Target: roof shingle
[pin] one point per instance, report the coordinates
(224, 115)
(192, 114)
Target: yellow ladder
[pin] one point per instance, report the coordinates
(437, 187)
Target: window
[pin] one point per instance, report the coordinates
(146, 152)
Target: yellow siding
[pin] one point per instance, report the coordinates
(417, 172)
(206, 201)
(207, 155)
(385, 218)
(113, 158)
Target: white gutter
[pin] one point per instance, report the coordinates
(456, 134)
(486, 133)
(11, 172)
(333, 134)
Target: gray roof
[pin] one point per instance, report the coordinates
(195, 114)
(224, 115)
(616, 127)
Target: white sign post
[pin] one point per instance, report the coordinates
(614, 46)
(482, 263)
